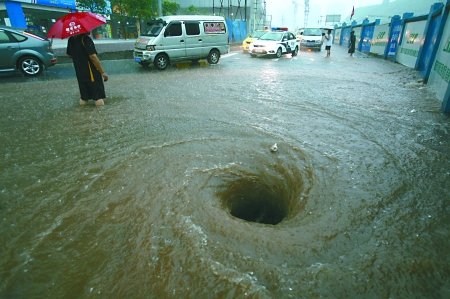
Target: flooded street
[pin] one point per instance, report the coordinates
(171, 190)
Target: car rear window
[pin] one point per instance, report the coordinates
(18, 37)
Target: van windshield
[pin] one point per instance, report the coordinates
(154, 30)
(312, 32)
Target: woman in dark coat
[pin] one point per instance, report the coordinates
(352, 43)
(89, 71)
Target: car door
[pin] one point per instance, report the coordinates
(8, 47)
(194, 41)
(292, 40)
(285, 43)
(174, 41)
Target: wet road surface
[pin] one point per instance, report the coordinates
(171, 190)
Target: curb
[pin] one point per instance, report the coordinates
(110, 49)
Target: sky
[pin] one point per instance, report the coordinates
(290, 13)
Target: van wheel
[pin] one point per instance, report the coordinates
(30, 66)
(213, 56)
(279, 52)
(295, 52)
(161, 62)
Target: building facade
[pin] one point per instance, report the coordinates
(253, 12)
(38, 16)
(35, 15)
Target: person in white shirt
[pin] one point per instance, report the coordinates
(328, 42)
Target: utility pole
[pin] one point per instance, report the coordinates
(160, 8)
(306, 13)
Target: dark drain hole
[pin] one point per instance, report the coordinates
(255, 202)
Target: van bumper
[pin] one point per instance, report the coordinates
(142, 57)
(310, 45)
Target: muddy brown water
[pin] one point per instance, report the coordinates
(171, 190)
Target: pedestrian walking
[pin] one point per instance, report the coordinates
(89, 71)
(328, 42)
(352, 43)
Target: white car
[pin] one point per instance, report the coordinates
(274, 43)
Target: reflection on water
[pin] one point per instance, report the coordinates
(171, 190)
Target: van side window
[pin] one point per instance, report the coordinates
(214, 27)
(174, 29)
(192, 28)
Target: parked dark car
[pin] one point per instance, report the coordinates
(23, 51)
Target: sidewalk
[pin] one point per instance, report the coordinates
(102, 45)
(112, 45)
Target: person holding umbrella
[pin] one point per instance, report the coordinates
(89, 71)
(80, 47)
(328, 42)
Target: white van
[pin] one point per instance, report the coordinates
(176, 38)
(310, 38)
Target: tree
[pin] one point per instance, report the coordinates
(139, 9)
(96, 6)
(170, 8)
(192, 10)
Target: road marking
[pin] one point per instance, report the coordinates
(201, 62)
(228, 55)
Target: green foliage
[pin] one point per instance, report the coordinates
(192, 10)
(140, 8)
(170, 8)
(96, 6)
(135, 8)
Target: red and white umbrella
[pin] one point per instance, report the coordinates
(75, 23)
